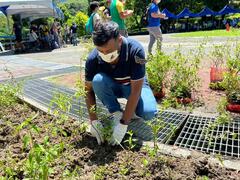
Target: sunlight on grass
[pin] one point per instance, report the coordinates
(219, 33)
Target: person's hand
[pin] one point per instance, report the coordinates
(96, 130)
(119, 132)
(129, 12)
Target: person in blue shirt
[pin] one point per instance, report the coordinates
(154, 25)
(116, 69)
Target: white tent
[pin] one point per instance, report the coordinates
(29, 8)
(23, 2)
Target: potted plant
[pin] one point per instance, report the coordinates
(231, 82)
(158, 69)
(218, 55)
(232, 86)
(185, 76)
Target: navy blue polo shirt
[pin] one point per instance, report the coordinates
(131, 64)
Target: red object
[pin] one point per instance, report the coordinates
(227, 27)
(159, 95)
(184, 100)
(233, 108)
(216, 74)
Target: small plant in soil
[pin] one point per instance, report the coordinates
(219, 56)
(9, 92)
(131, 143)
(80, 95)
(40, 158)
(231, 82)
(156, 125)
(61, 105)
(185, 78)
(158, 71)
(216, 86)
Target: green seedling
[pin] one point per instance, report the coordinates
(156, 126)
(61, 105)
(130, 141)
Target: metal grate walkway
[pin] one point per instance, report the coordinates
(42, 92)
(197, 134)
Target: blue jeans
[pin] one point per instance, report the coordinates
(108, 90)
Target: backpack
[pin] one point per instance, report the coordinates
(89, 25)
(145, 17)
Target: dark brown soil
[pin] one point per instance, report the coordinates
(82, 158)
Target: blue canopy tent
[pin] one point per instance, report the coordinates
(228, 10)
(3, 10)
(206, 12)
(186, 13)
(169, 15)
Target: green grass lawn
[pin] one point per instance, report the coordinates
(232, 32)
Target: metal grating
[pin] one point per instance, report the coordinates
(172, 122)
(222, 139)
(42, 92)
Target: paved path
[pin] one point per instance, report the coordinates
(36, 63)
(23, 65)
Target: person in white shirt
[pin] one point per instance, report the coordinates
(33, 39)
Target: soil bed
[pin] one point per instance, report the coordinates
(82, 158)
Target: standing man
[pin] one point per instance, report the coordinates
(73, 31)
(118, 15)
(154, 25)
(116, 69)
(17, 29)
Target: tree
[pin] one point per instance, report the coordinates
(139, 8)
(72, 7)
(216, 5)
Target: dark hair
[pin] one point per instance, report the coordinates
(94, 5)
(105, 31)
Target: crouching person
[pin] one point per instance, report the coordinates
(116, 69)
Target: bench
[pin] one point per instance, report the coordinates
(9, 38)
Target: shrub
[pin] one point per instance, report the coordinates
(80, 19)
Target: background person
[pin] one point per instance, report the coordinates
(118, 14)
(154, 25)
(17, 29)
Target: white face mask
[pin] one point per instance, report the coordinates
(158, 1)
(109, 57)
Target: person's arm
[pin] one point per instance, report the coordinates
(136, 87)
(123, 13)
(155, 13)
(158, 15)
(90, 71)
(90, 101)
